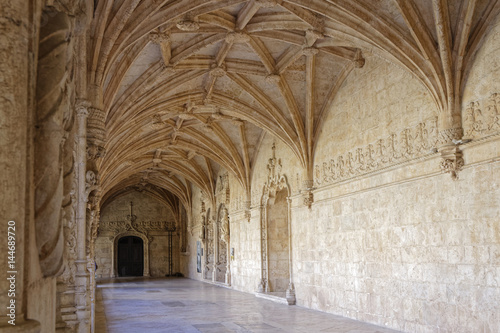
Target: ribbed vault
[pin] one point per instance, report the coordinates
(190, 86)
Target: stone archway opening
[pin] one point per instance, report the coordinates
(130, 256)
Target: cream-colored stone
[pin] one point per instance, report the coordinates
(306, 148)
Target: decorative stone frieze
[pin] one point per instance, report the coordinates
(132, 224)
(410, 143)
(480, 121)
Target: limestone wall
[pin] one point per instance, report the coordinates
(389, 239)
(414, 256)
(150, 225)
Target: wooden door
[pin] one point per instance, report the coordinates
(130, 256)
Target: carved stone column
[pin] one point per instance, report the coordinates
(263, 285)
(290, 292)
(94, 148)
(14, 120)
(82, 274)
(52, 112)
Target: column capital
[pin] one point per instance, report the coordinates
(82, 108)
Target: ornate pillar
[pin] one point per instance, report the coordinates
(225, 237)
(92, 227)
(53, 115)
(82, 274)
(215, 247)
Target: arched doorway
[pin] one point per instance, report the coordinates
(276, 247)
(130, 256)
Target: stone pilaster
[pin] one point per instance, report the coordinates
(82, 283)
(14, 161)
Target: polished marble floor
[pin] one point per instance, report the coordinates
(182, 305)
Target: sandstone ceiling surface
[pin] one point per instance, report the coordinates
(190, 86)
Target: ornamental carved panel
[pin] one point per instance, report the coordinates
(482, 118)
(410, 143)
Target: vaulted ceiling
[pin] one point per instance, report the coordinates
(190, 86)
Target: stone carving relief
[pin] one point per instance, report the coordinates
(410, 143)
(209, 248)
(222, 190)
(54, 119)
(481, 121)
(222, 244)
(143, 227)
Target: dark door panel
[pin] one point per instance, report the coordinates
(130, 256)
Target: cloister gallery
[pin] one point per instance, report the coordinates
(339, 155)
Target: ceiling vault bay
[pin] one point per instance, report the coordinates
(190, 86)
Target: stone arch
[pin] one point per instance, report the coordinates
(145, 242)
(276, 245)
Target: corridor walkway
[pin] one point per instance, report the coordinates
(182, 305)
